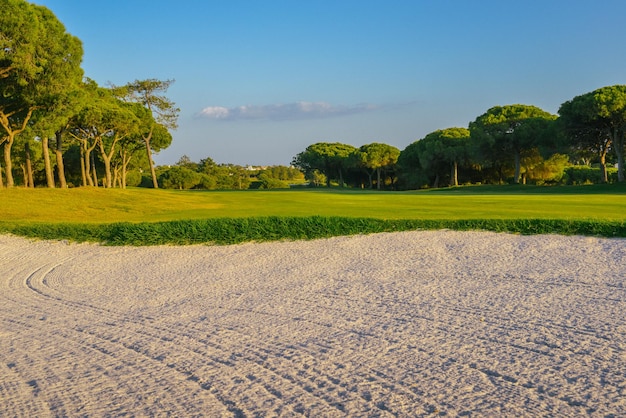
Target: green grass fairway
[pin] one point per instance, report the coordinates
(91, 205)
(147, 216)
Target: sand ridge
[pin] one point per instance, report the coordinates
(424, 323)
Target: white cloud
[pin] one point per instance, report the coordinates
(214, 112)
(288, 111)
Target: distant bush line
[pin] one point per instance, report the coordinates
(225, 231)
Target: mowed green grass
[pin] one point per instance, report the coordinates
(102, 206)
(159, 217)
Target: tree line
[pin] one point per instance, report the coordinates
(60, 129)
(208, 175)
(516, 144)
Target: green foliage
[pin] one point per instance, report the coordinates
(582, 174)
(376, 158)
(597, 121)
(503, 133)
(332, 159)
(39, 65)
(268, 182)
(540, 171)
(411, 174)
(281, 172)
(179, 177)
(224, 231)
(133, 178)
(207, 175)
(159, 117)
(435, 158)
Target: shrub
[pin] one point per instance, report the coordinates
(268, 182)
(583, 174)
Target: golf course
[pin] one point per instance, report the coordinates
(145, 216)
(361, 303)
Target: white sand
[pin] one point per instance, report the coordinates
(404, 324)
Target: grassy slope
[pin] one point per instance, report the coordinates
(90, 205)
(32, 212)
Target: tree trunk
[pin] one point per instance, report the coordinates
(340, 178)
(454, 175)
(605, 174)
(46, 161)
(24, 174)
(378, 178)
(28, 178)
(518, 167)
(60, 165)
(8, 166)
(108, 179)
(146, 140)
(90, 165)
(116, 176)
(369, 175)
(619, 151)
(1, 178)
(125, 161)
(10, 138)
(93, 168)
(83, 166)
(87, 158)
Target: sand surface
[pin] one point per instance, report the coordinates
(431, 323)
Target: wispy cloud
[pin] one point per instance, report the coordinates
(279, 112)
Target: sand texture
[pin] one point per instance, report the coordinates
(427, 323)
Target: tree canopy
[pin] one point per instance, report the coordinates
(597, 120)
(446, 148)
(331, 158)
(375, 157)
(39, 64)
(162, 115)
(508, 130)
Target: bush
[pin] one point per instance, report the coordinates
(582, 174)
(177, 177)
(271, 182)
(133, 178)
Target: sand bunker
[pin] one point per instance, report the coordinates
(406, 324)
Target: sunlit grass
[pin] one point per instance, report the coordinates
(167, 216)
(91, 205)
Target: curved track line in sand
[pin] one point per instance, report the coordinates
(408, 324)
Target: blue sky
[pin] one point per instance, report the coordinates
(259, 81)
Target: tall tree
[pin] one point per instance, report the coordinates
(37, 59)
(56, 120)
(330, 158)
(132, 149)
(163, 113)
(597, 120)
(375, 157)
(448, 146)
(49, 124)
(110, 144)
(510, 130)
(103, 122)
(411, 174)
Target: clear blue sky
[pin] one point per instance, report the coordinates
(259, 81)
